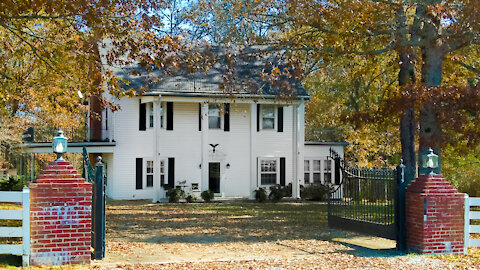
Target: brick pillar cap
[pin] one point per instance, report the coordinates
(431, 183)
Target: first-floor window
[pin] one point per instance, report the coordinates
(306, 169)
(327, 171)
(149, 173)
(162, 173)
(318, 171)
(268, 171)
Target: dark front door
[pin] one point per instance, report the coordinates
(214, 176)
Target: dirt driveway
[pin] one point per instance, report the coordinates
(241, 235)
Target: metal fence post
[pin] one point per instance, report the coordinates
(400, 218)
(99, 212)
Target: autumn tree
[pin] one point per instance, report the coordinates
(423, 34)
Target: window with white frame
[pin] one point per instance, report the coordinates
(214, 116)
(306, 169)
(268, 116)
(149, 173)
(161, 115)
(268, 171)
(318, 171)
(327, 171)
(150, 114)
(162, 172)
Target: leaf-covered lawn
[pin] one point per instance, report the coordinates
(237, 235)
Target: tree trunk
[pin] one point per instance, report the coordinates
(430, 131)
(406, 76)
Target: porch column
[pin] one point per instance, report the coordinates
(253, 158)
(300, 146)
(204, 120)
(156, 161)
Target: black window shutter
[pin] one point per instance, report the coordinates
(282, 171)
(169, 115)
(199, 116)
(142, 118)
(337, 171)
(226, 117)
(258, 117)
(139, 173)
(171, 173)
(280, 119)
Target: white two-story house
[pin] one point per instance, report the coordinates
(186, 130)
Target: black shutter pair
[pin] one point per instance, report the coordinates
(139, 173)
(279, 118)
(142, 119)
(226, 117)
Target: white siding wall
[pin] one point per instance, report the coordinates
(184, 144)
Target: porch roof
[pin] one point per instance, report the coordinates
(73, 147)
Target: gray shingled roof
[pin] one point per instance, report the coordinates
(247, 79)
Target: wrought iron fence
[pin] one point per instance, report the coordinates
(364, 200)
(88, 171)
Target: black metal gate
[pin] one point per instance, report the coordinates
(365, 201)
(97, 177)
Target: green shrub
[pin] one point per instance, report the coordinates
(260, 195)
(315, 192)
(12, 183)
(277, 192)
(174, 194)
(207, 195)
(191, 198)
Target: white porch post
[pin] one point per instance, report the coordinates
(204, 120)
(253, 159)
(299, 146)
(156, 161)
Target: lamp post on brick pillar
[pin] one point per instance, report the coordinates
(60, 213)
(434, 212)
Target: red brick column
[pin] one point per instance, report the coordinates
(435, 216)
(60, 216)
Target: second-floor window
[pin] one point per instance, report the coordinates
(214, 116)
(268, 117)
(150, 115)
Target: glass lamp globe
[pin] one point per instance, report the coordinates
(430, 160)
(59, 145)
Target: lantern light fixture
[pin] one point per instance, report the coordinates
(59, 145)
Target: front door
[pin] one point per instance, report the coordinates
(214, 176)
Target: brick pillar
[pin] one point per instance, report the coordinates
(435, 216)
(60, 216)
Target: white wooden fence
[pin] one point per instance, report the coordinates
(23, 231)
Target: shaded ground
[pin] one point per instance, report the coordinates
(242, 235)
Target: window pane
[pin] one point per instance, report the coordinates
(149, 166)
(269, 166)
(306, 165)
(268, 112)
(306, 178)
(316, 178)
(150, 180)
(328, 177)
(268, 123)
(213, 122)
(268, 117)
(162, 167)
(328, 165)
(269, 179)
(316, 165)
(213, 116)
